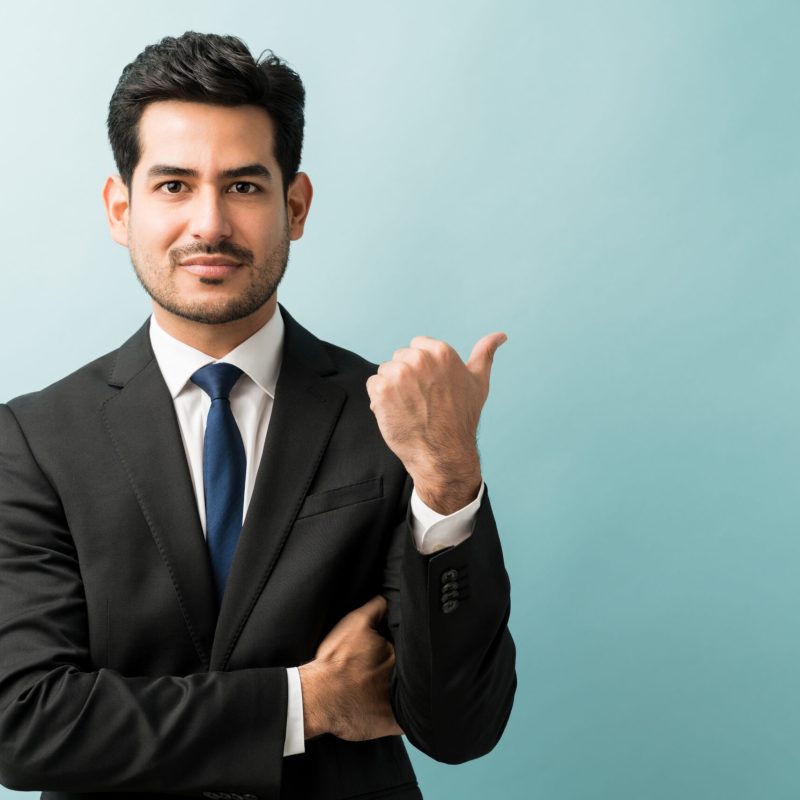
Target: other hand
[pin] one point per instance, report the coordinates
(346, 688)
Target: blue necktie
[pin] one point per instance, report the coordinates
(224, 465)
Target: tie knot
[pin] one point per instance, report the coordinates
(217, 380)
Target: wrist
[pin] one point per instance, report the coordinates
(312, 685)
(446, 496)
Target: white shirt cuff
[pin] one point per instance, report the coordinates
(295, 741)
(433, 531)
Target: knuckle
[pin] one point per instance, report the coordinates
(390, 369)
(380, 390)
(442, 349)
(417, 357)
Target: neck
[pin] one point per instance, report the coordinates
(214, 340)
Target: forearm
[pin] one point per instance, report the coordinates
(101, 731)
(454, 679)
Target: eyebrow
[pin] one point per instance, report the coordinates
(246, 171)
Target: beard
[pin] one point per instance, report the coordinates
(262, 285)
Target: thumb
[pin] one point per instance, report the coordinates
(482, 355)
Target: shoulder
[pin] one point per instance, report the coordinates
(347, 362)
(323, 357)
(85, 388)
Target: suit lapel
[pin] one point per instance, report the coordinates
(141, 420)
(303, 418)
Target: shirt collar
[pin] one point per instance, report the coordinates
(259, 357)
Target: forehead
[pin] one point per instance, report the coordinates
(203, 136)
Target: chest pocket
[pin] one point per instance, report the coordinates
(332, 499)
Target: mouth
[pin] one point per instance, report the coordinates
(214, 267)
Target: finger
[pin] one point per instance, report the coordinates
(370, 386)
(482, 355)
(394, 730)
(392, 368)
(408, 355)
(435, 346)
(372, 612)
(375, 609)
(394, 376)
(375, 385)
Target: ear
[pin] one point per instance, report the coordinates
(117, 202)
(298, 202)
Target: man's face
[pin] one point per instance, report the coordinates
(206, 220)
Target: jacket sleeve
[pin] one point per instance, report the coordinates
(455, 675)
(67, 726)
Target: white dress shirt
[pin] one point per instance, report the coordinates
(251, 399)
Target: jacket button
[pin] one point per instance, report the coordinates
(449, 587)
(450, 606)
(454, 595)
(449, 576)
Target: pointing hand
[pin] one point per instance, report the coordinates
(427, 403)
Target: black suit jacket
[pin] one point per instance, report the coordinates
(117, 671)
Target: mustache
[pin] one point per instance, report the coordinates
(222, 248)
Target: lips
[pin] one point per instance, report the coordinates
(210, 266)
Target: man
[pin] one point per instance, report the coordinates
(236, 561)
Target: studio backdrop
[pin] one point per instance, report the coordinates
(615, 186)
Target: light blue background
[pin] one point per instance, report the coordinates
(615, 184)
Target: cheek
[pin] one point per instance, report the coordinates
(152, 233)
(267, 238)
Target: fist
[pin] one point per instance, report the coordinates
(427, 403)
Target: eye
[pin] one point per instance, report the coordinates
(171, 187)
(244, 187)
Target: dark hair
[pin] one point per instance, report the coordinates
(207, 68)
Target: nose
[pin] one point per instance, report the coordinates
(209, 220)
